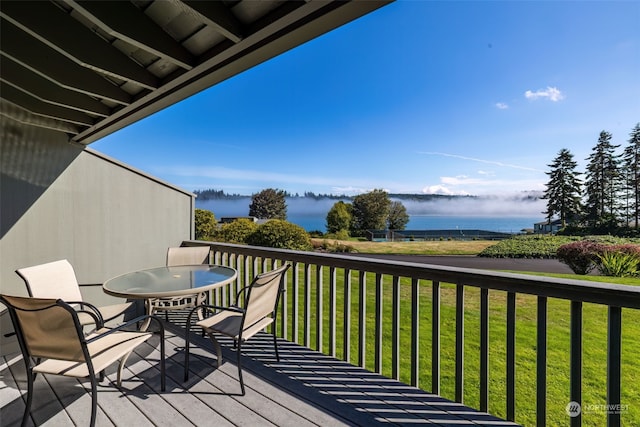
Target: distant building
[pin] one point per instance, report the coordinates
(547, 227)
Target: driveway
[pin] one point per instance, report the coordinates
(472, 261)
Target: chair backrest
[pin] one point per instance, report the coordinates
(52, 280)
(46, 328)
(263, 295)
(191, 255)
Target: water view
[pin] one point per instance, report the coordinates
(490, 215)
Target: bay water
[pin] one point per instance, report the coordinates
(494, 214)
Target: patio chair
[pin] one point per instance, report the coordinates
(57, 279)
(52, 341)
(261, 299)
(191, 255)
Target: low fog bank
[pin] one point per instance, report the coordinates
(463, 206)
(480, 206)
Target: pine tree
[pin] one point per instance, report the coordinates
(631, 168)
(563, 189)
(603, 184)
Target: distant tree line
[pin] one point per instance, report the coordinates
(220, 194)
(608, 200)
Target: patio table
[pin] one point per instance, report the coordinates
(169, 282)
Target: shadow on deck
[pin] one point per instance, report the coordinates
(305, 388)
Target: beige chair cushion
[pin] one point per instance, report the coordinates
(229, 323)
(103, 352)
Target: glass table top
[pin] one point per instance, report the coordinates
(169, 281)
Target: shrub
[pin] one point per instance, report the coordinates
(237, 231)
(334, 246)
(580, 256)
(619, 260)
(205, 224)
(278, 233)
(527, 246)
(618, 264)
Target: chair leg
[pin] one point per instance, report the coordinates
(94, 400)
(275, 344)
(27, 409)
(121, 369)
(217, 346)
(239, 363)
(186, 355)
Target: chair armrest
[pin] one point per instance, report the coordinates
(210, 308)
(89, 309)
(113, 329)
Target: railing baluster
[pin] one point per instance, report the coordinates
(511, 356)
(284, 318)
(614, 349)
(332, 311)
(395, 332)
(377, 356)
(255, 260)
(346, 326)
(541, 364)
(576, 359)
(484, 349)
(415, 332)
(362, 318)
(295, 301)
(435, 337)
(307, 305)
(459, 343)
(319, 303)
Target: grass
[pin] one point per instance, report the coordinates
(594, 340)
(444, 247)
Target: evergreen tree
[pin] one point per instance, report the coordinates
(631, 168)
(398, 217)
(269, 204)
(603, 184)
(370, 211)
(563, 189)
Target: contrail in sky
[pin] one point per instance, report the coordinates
(491, 162)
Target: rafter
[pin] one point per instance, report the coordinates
(124, 21)
(76, 41)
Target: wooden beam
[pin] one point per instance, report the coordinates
(125, 21)
(58, 30)
(41, 59)
(47, 91)
(217, 15)
(39, 108)
(20, 115)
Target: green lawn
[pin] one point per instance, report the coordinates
(594, 356)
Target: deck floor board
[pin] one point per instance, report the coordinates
(305, 388)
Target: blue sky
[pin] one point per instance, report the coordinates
(417, 97)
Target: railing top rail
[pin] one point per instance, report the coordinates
(569, 289)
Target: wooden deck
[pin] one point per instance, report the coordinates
(305, 388)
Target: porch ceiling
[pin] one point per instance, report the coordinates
(89, 68)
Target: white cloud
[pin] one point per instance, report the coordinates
(502, 106)
(550, 93)
(491, 162)
(443, 190)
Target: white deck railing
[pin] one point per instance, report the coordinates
(316, 278)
